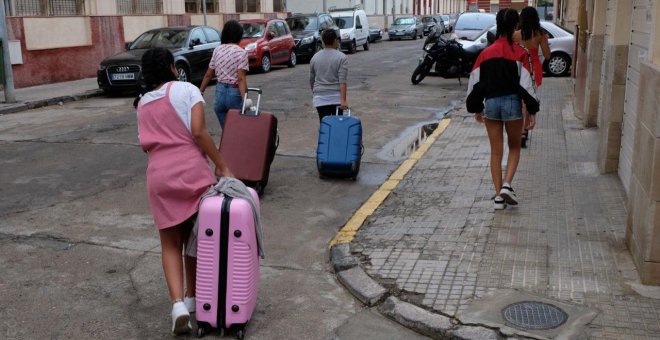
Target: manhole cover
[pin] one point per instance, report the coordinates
(528, 315)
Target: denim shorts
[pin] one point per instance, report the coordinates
(226, 97)
(504, 108)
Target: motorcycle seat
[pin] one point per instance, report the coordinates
(473, 51)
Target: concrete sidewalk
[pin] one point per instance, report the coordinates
(437, 243)
(50, 94)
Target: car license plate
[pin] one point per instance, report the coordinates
(123, 76)
(398, 33)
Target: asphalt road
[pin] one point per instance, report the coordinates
(80, 255)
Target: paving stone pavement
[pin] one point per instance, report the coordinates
(438, 242)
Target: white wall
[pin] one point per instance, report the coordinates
(371, 7)
(78, 32)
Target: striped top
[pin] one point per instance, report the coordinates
(226, 61)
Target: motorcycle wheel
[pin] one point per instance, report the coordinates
(421, 72)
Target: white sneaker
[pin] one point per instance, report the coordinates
(499, 203)
(190, 304)
(507, 193)
(180, 318)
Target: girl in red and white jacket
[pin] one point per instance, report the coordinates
(501, 77)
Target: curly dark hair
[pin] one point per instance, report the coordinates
(157, 67)
(530, 23)
(507, 21)
(232, 32)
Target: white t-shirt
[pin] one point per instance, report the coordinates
(183, 96)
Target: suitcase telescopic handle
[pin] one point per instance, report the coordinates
(347, 111)
(259, 92)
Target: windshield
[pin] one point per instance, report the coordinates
(445, 18)
(344, 22)
(482, 34)
(163, 39)
(405, 21)
(427, 19)
(474, 22)
(253, 30)
(303, 23)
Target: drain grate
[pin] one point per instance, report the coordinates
(531, 315)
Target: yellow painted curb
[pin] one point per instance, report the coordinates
(347, 233)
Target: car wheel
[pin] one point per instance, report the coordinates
(353, 47)
(292, 59)
(415, 35)
(366, 46)
(182, 73)
(558, 64)
(265, 63)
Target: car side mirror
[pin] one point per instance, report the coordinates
(127, 45)
(483, 40)
(358, 26)
(195, 42)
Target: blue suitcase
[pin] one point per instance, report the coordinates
(340, 146)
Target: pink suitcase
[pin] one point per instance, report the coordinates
(227, 264)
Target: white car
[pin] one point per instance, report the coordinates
(354, 28)
(561, 41)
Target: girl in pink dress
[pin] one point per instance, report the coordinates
(172, 131)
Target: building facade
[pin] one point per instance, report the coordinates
(59, 40)
(617, 81)
(493, 6)
(381, 7)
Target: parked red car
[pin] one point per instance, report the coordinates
(268, 42)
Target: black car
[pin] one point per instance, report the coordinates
(306, 30)
(431, 21)
(192, 47)
(375, 34)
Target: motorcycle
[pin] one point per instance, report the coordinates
(448, 57)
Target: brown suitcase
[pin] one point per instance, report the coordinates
(248, 143)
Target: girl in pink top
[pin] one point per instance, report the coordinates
(230, 64)
(172, 132)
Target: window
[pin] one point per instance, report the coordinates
(47, 7)
(278, 6)
(249, 6)
(140, 7)
(323, 23)
(281, 29)
(195, 6)
(253, 30)
(329, 22)
(344, 22)
(272, 29)
(212, 34)
(197, 37)
(494, 8)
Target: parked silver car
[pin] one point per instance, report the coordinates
(406, 27)
(561, 41)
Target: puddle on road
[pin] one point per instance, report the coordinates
(409, 141)
(412, 138)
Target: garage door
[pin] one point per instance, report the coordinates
(639, 43)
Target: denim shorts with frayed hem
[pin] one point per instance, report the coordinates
(504, 108)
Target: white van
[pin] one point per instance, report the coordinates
(354, 27)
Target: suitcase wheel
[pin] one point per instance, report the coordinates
(240, 334)
(202, 329)
(259, 188)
